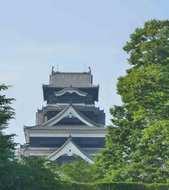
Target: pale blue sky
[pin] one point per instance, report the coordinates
(74, 34)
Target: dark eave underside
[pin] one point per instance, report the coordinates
(92, 90)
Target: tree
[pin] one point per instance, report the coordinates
(154, 146)
(143, 117)
(78, 171)
(7, 146)
(6, 113)
(35, 174)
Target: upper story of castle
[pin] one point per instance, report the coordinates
(71, 87)
(70, 92)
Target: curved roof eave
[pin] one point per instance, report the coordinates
(78, 114)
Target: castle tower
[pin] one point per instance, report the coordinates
(70, 125)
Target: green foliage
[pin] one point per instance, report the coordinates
(7, 145)
(78, 171)
(137, 143)
(28, 174)
(150, 44)
(35, 174)
(6, 111)
(117, 186)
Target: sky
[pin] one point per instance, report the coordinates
(70, 35)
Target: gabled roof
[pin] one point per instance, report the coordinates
(70, 111)
(69, 148)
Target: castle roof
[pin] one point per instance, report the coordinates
(73, 79)
(69, 148)
(70, 110)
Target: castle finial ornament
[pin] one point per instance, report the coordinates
(90, 69)
(53, 69)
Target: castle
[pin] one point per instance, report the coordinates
(70, 126)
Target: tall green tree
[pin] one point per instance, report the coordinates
(7, 146)
(6, 113)
(137, 142)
